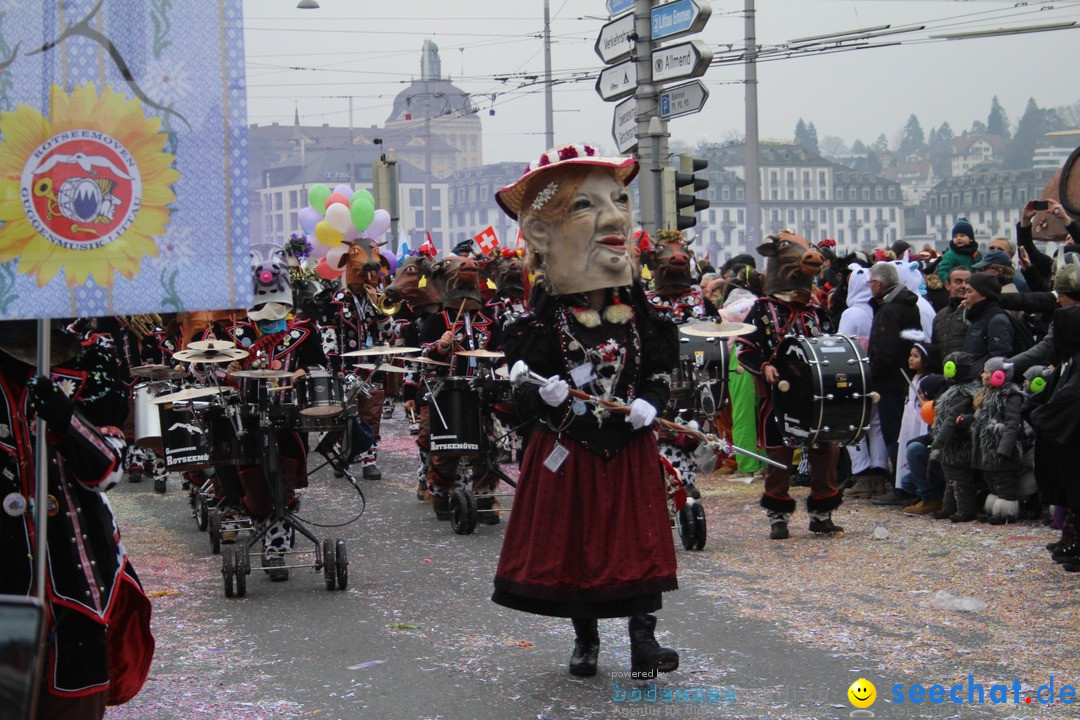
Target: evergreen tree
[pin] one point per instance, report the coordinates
(806, 135)
(1033, 125)
(945, 135)
(978, 128)
(857, 147)
(881, 144)
(913, 139)
(998, 122)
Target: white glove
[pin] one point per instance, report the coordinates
(554, 391)
(642, 414)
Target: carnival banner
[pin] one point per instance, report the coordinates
(123, 158)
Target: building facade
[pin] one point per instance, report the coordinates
(990, 198)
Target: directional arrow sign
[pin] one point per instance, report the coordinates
(617, 81)
(613, 44)
(684, 60)
(624, 125)
(683, 99)
(682, 17)
(614, 7)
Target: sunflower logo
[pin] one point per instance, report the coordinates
(84, 191)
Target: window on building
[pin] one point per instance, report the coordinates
(823, 216)
(866, 236)
(866, 193)
(277, 202)
(839, 215)
(821, 178)
(278, 222)
(774, 178)
(738, 193)
(727, 216)
(892, 193)
(416, 197)
(852, 193)
(806, 193)
(774, 214)
(436, 218)
(880, 214)
(436, 237)
(293, 199)
(725, 193)
(840, 236)
(436, 196)
(879, 193)
(805, 177)
(419, 222)
(742, 236)
(839, 194)
(294, 220)
(892, 214)
(484, 217)
(774, 194)
(790, 178)
(740, 217)
(866, 214)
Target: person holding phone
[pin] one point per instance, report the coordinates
(1038, 266)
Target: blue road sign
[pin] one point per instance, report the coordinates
(679, 18)
(617, 7)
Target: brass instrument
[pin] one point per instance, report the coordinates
(385, 306)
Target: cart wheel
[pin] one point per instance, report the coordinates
(228, 569)
(686, 525)
(342, 561)
(202, 512)
(329, 564)
(463, 511)
(214, 523)
(697, 514)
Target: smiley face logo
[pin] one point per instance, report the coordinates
(862, 693)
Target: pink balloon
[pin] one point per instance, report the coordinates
(335, 257)
(344, 190)
(318, 250)
(379, 224)
(309, 217)
(326, 272)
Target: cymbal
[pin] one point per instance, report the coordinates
(158, 372)
(716, 329)
(425, 361)
(189, 394)
(380, 350)
(386, 367)
(261, 373)
(211, 356)
(479, 354)
(210, 345)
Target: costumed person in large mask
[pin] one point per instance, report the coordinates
(787, 308)
(590, 536)
(444, 335)
(273, 343)
(674, 296)
(99, 643)
(353, 322)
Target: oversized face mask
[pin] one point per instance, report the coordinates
(586, 247)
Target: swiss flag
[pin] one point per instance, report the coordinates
(487, 240)
(428, 247)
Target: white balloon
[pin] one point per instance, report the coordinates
(335, 254)
(379, 224)
(338, 216)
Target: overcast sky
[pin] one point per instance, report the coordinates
(370, 50)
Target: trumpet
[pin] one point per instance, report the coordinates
(385, 306)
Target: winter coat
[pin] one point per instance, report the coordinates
(858, 316)
(950, 328)
(997, 430)
(989, 334)
(957, 257)
(952, 442)
(895, 312)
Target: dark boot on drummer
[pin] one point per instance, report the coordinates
(647, 656)
(778, 510)
(586, 647)
(820, 511)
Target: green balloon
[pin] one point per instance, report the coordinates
(361, 193)
(317, 195)
(363, 212)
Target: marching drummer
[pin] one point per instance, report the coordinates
(786, 309)
(459, 328)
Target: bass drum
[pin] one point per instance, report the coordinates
(822, 395)
(455, 417)
(183, 436)
(226, 446)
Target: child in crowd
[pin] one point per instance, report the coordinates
(923, 474)
(952, 441)
(963, 250)
(997, 434)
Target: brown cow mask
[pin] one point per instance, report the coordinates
(460, 280)
(364, 267)
(416, 283)
(672, 266)
(791, 267)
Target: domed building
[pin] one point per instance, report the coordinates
(434, 108)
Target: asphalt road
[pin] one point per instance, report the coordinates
(415, 635)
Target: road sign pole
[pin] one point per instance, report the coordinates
(650, 153)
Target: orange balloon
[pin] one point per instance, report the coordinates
(927, 412)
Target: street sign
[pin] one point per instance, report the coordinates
(613, 44)
(624, 125)
(614, 7)
(681, 17)
(685, 60)
(683, 99)
(617, 81)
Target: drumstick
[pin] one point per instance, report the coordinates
(280, 388)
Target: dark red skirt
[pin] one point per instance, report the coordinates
(591, 540)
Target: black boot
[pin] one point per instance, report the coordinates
(825, 526)
(586, 648)
(646, 655)
(1068, 553)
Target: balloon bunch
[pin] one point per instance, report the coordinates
(338, 218)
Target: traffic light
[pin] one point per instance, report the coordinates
(687, 184)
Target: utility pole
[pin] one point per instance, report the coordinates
(352, 166)
(549, 112)
(652, 148)
(751, 174)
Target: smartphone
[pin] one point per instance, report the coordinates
(20, 627)
(1040, 205)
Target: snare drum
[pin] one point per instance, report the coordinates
(225, 445)
(183, 436)
(456, 402)
(827, 397)
(147, 418)
(319, 393)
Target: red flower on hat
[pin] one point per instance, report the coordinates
(567, 152)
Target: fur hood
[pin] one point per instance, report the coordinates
(997, 430)
(952, 443)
